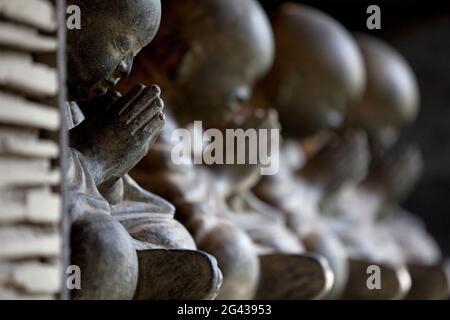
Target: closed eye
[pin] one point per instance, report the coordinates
(122, 44)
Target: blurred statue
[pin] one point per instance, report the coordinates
(124, 239)
(207, 57)
(287, 270)
(391, 98)
(393, 176)
(390, 103)
(199, 44)
(318, 74)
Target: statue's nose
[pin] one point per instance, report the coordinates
(242, 94)
(124, 67)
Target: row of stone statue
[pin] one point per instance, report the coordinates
(311, 231)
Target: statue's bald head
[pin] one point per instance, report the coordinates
(211, 51)
(318, 71)
(391, 98)
(112, 33)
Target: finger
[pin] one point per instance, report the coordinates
(152, 129)
(156, 123)
(150, 98)
(145, 114)
(146, 99)
(154, 113)
(131, 97)
(116, 95)
(148, 134)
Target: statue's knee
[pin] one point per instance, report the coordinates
(237, 259)
(331, 248)
(160, 230)
(275, 238)
(103, 250)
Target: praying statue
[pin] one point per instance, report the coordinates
(124, 238)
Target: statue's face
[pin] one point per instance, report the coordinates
(226, 47)
(218, 78)
(318, 71)
(391, 98)
(397, 170)
(342, 162)
(245, 176)
(383, 127)
(102, 52)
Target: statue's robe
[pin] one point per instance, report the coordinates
(356, 225)
(417, 245)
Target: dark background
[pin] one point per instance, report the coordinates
(420, 30)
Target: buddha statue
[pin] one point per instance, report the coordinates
(317, 75)
(124, 239)
(199, 44)
(391, 103)
(393, 176)
(288, 271)
(207, 56)
(391, 99)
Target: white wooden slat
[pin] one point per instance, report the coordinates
(16, 144)
(36, 13)
(38, 206)
(25, 38)
(21, 242)
(32, 277)
(18, 111)
(19, 72)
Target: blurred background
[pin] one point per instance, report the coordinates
(420, 30)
